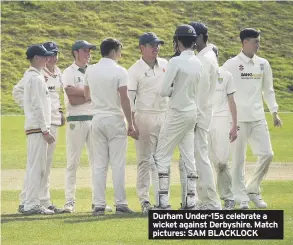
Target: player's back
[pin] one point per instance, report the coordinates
(104, 79)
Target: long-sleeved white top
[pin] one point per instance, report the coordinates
(74, 77)
(224, 87)
(145, 84)
(181, 81)
(253, 79)
(36, 101)
(207, 87)
(54, 85)
(104, 79)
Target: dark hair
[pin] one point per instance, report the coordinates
(108, 45)
(205, 37)
(187, 41)
(248, 33)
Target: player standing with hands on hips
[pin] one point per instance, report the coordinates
(148, 110)
(181, 85)
(253, 80)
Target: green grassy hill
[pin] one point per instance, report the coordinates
(24, 23)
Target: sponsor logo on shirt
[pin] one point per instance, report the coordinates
(250, 75)
(241, 67)
(262, 67)
(51, 88)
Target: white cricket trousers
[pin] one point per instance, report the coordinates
(35, 169)
(109, 135)
(206, 187)
(78, 133)
(44, 193)
(178, 127)
(257, 135)
(219, 151)
(149, 126)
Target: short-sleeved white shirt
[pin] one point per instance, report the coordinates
(224, 87)
(104, 79)
(72, 76)
(147, 82)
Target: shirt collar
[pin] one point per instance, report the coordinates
(108, 60)
(246, 59)
(145, 66)
(76, 67)
(187, 52)
(34, 69)
(204, 51)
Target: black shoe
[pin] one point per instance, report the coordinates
(98, 211)
(123, 209)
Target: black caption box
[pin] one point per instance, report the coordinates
(222, 224)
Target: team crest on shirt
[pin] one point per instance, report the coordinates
(220, 80)
(72, 126)
(262, 67)
(241, 67)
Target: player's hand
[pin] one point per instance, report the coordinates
(136, 130)
(131, 132)
(233, 133)
(63, 120)
(49, 137)
(277, 120)
(69, 89)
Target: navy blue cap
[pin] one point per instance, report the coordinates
(39, 50)
(185, 31)
(149, 37)
(51, 46)
(199, 28)
(83, 44)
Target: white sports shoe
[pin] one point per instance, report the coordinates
(69, 207)
(257, 200)
(108, 209)
(244, 205)
(39, 209)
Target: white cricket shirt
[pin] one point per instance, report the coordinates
(253, 80)
(207, 88)
(104, 79)
(181, 81)
(54, 85)
(36, 101)
(72, 76)
(147, 82)
(224, 87)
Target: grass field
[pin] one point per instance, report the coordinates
(27, 22)
(83, 229)
(14, 144)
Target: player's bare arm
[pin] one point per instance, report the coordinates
(125, 103)
(233, 110)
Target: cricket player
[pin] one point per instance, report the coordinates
(206, 187)
(222, 133)
(79, 113)
(181, 85)
(148, 110)
(106, 85)
(52, 75)
(253, 81)
(37, 110)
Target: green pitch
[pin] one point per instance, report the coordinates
(83, 229)
(14, 144)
